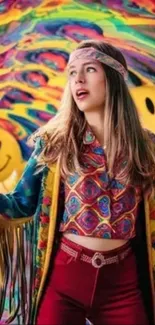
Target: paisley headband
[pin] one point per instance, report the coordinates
(91, 53)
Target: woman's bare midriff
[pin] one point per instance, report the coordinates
(97, 244)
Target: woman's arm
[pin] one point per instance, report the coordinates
(22, 202)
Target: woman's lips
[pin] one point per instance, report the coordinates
(82, 94)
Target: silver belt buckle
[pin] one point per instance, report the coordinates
(100, 258)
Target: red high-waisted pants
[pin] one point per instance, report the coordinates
(77, 290)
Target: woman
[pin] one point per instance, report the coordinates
(87, 183)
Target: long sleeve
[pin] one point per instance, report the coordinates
(22, 202)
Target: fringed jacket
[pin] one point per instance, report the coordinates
(28, 234)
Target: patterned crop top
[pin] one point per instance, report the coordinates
(95, 205)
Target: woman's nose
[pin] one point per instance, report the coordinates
(80, 78)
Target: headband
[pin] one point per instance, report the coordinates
(91, 53)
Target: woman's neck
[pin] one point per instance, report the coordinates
(98, 132)
(95, 122)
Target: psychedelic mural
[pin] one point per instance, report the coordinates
(36, 38)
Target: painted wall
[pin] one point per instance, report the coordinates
(36, 38)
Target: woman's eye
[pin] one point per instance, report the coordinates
(91, 69)
(72, 73)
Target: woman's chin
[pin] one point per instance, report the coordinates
(85, 108)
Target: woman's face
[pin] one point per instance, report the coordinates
(87, 83)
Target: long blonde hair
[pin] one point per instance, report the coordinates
(129, 149)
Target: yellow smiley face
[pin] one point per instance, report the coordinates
(10, 155)
(144, 97)
(143, 94)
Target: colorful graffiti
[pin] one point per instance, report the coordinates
(36, 38)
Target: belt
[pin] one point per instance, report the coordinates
(98, 259)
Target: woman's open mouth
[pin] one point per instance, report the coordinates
(82, 94)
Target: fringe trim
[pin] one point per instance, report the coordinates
(16, 273)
